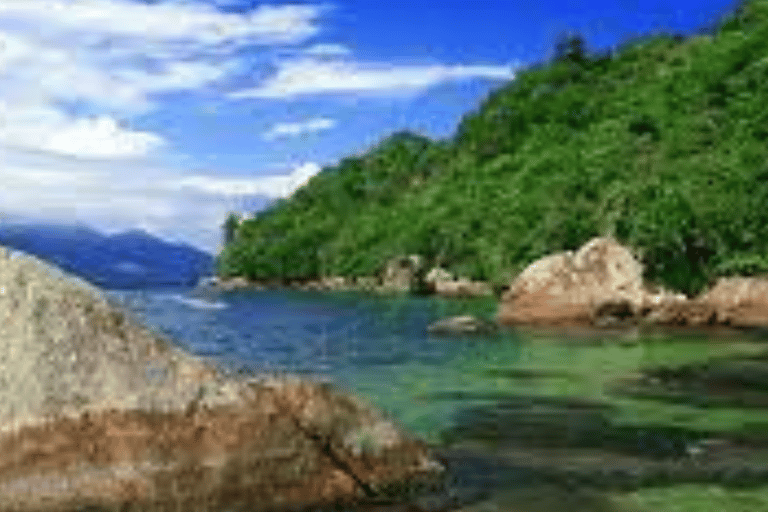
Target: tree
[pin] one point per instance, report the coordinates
(570, 47)
(230, 228)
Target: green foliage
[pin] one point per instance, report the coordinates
(230, 228)
(661, 145)
(744, 265)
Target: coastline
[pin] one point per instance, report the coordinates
(367, 284)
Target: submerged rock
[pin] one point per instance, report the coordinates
(97, 411)
(465, 324)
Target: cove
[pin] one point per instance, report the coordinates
(527, 420)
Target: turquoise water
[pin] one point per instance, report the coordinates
(377, 347)
(482, 397)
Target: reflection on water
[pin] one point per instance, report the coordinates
(524, 423)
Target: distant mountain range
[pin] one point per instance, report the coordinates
(133, 259)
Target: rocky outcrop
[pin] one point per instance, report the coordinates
(441, 282)
(463, 288)
(98, 411)
(601, 285)
(465, 324)
(739, 301)
(571, 288)
(438, 275)
(402, 274)
(234, 283)
(367, 283)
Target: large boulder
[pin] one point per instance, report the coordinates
(98, 411)
(739, 301)
(601, 285)
(574, 288)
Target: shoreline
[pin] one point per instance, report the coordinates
(370, 285)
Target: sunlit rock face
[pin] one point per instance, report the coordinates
(601, 285)
(98, 411)
(739, 301)
(569, 288)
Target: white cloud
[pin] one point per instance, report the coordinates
(327, 50)
(275, 186)
(50, 131)
(116, 56)
(124, 195)
(176, 76)
(164, 21)
(293, 129)
(311, 76)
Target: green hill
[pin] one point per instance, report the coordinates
(662, 145)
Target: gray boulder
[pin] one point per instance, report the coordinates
(99, 411)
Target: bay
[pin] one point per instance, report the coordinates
(376, 347)
(519, 415)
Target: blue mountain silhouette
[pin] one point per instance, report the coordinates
(133, 259)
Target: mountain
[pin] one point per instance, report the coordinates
(662, 144)
(134, 259)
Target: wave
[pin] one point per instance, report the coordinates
(197, 303)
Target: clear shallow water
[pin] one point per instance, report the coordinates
(498, 389)
(376, 347)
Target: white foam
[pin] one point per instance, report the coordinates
(196, 303)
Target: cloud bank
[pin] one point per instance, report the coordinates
(76, 75)
(72, 76)
(312, 77)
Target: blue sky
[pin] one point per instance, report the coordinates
(163, 116)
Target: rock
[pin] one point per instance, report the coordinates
(233, 283)
(437, 275)
(739, 301)
(209, 282)
(568, 288)
(681, 312)
(612, 313)
(402, 274)
(367, 283)
(335, 283)
(465, 324)
(98, 411)
(463, 288)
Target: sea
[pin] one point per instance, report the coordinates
(469, 396)
(376, 347)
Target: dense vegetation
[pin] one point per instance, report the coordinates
(662, 145)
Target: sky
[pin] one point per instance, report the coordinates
(165, 115)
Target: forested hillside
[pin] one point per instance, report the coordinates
(663, 145)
